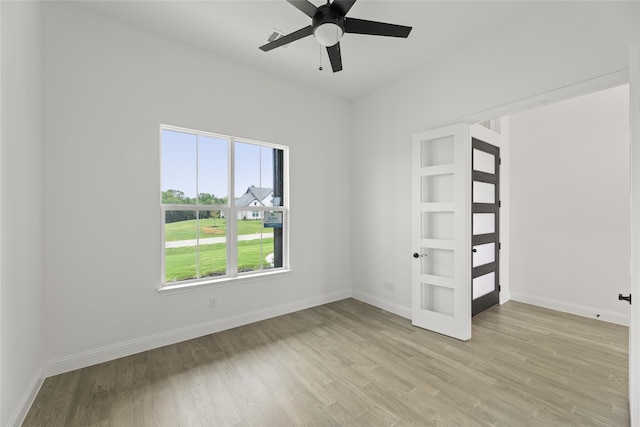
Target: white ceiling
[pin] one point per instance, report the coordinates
(235, 30)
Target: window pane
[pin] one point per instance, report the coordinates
(212, 171)
(180, 256)
(247, 173)
(256, 243)
(212, 244)
(266, 169)
(194, 248)
(178, 167)
(255, 181)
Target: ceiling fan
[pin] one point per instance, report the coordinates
(328, 25)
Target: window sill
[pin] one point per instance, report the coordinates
(214, 283)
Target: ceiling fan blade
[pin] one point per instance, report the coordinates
(304, 6)
(296, 35)
(342, 6)
(362, 26)
(335, 57)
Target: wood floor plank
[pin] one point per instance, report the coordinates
(350, 364)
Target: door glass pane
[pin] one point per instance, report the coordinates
(483, 161)
(484, 223)
(438, 262)
(437, 151)
(484, 254)
(436, 298)
(437, 225)
(437, 188)
(484, 192)
(484, 284)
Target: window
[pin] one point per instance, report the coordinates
(209, 235)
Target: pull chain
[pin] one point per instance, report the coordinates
(320, 67)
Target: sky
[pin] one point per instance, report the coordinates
(199, 164)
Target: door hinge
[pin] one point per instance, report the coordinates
(499, 245)
(499, 203)
(499, 288)
(499, 160)
(623, 298)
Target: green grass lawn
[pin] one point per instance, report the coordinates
(209, 227)
(180, 263)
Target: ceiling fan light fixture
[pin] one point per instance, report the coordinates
(328, 34)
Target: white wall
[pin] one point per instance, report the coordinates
(107, 88)
(567, 43)
(570, 205)
(21, 331)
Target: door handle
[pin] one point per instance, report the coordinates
(627, 298)
(417, 255)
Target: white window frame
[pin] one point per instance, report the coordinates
(231, 215)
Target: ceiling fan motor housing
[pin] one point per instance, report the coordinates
(328, 26)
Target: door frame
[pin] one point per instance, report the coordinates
(585, 87)
(634, 172)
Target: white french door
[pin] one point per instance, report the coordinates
(441, 273)
(443, 227)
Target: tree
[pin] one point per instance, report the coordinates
(177, 197)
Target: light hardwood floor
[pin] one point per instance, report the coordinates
(348, 363)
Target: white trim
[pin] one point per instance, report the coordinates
(232, 219)
(127, 348)
(22, 409)
(1, 209)
(584, 87)
(398, 309)
(634, 263)
(567, 307)
(230, 210)
(199, 284)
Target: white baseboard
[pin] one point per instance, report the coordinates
(398, 309)
(17, 418)
(127, 348)
(567, 307)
